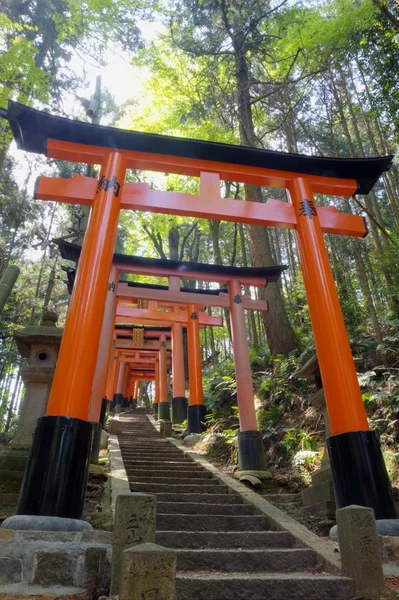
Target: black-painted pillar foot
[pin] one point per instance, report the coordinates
(118, 399)
(359, 473)
(163, 411)
(95, 448)
(155, 409)
(134, 403)
(179, 409)
(103, 412)
(56, 474)
(251, 453)
(196, 418)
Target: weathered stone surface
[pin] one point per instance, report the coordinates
(54, 567)
(35, 523)
(96, 536)
(58, 537)
(13, 459)
(7, 535)
(192, 439)
(148, 573)
(165, 428)
(97, 567)
(360, 551)
(10, 570)
(391, 545)
(104, 440)
(135, 517)
(113, 426)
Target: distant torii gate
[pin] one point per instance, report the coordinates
(359, 471)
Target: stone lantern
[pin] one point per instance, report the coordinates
(40, 345)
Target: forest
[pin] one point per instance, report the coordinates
(315, 77)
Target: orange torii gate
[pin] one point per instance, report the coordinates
(192, 319)
(358, 467)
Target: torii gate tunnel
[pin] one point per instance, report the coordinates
(359, 472)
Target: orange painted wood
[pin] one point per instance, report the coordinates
(124, 311)
(208, 205)
(194, 357)
(341, 389)
(74, 373)
(188, 166)
(168, 297)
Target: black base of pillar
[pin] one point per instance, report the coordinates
(196, 418)
(179, 409)
(112, 406)
(134, 402)
(118, 399)
(359, 472)
(155, 409)
(164, 411)
(55, 479)
(103, 412)
(95, 448)
(251, 454)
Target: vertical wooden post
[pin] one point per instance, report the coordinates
(179, 400)
(156, 385)
(358, 468)
(196, 410)
(250, 441)
(60, 453)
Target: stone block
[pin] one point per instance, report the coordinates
(360, 550)
(165, 428)
(113, 426)
(7, 535)
(135, 518)
(13, 459)
(96, 567)
(57, 537)
(318, 493)
(10, 570)
(326, 509)
(54, 567)
(391, 545)
(148, 573)
(104, 440)
(322, 475)
(96, 536)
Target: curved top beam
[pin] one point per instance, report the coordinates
(33, 129)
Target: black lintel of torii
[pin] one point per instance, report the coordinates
(71, 251)
(33, 128)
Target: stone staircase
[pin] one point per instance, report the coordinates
(225, 550)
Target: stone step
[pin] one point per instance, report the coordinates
(154, 488)
(224, 539)
(211, 522)
(170, 464)
(216, 498)
(19, 591)
(198, 508)
(178, 479)
(239, 560)
(282, 498)
(148, 474)
(262, 586)
(8, 499)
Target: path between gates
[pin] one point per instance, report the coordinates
(227, 548)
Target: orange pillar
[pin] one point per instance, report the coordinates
(73, 378)
(250, 441)
(358, 468)
(120, 386)
(60, 454)
(196, 410)
(156, 385)
(163, 409)
(179, 400)
(100, 375)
